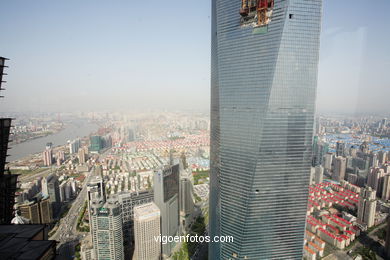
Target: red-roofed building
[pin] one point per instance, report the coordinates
(316, 248)
(311, 226)
(340, 243)
(349, 205)
(308, 253)
(326, 236)
(325, 219)
(350, 234)
(309, 236)
(344, 221)
(332, 229)
(346, 239)
(319, 242)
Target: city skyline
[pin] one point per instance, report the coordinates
(74, 56)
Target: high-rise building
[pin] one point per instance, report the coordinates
(129, 200)
(340, 167)
(384, 122)
(361, 163)
(74, 145)
(386, 168)
(328, 159)
(7, 180)
(386, 187)
(146, 230)
(166, 197)
(319, 174)
(349, 162)
(45, 211)
(382, 157)
(364, 148)
(47, 157)
(51, 188)
(62, 191)
(367, 206)
(96, 144)
(353, 151)
(30, 210)
(82, 155)
(263, 84)
(60, 157)
(186, 200)
(106, 229)
(340, 149)
(186, 196)
(320, 149)
(373, 158)
(96, 190)
(38, 211)
(375, 180)
(352, 178)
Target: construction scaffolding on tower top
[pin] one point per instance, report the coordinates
(256, 13)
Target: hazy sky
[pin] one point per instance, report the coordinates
(121, 55)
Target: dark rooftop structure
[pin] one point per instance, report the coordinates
(7, 180)
(26, 242)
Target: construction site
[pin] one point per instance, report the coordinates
(256, 13)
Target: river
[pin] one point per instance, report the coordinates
(72, 130)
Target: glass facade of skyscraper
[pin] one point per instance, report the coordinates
(263, 91)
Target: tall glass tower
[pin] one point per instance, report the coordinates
(263, 89)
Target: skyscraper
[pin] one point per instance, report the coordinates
(186, 196)
(129, 200)
(264, 61)
(51, 188)
(96, 144)
(106, 229)
(166, 197)
(340, 167)
(146, 229)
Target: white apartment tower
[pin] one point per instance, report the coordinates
(146, 229)
(367, 206)
(386, 187)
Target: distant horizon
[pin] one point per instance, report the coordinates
(381, 114)
(96, 55)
